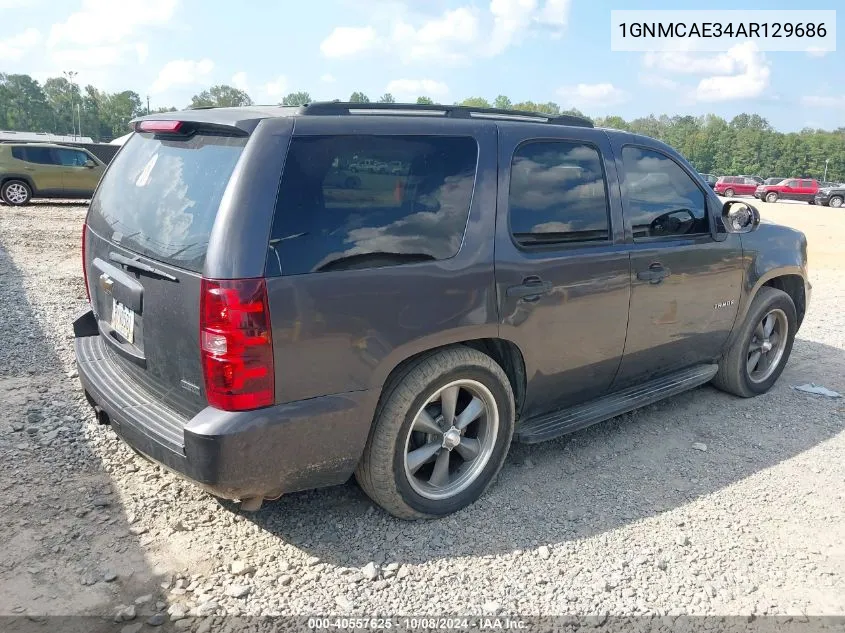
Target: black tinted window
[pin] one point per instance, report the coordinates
(40, 155)
(557, 194)
(71, 157)
(369, 201)
(660, 198)
(160, 197)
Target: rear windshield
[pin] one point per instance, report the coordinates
(159, 197)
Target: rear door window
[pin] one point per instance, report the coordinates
(160, 197)
(39, 155)
(558, 194)
(348, 202)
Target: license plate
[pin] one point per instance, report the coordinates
(122, 320)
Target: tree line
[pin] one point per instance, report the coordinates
(746, 144)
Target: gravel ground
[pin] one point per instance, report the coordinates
(701, 504)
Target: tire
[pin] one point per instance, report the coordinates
(15, 193)
(734, 375)
(811, 202)
(729, 193)
(403, 485)
(835, 201)
(772, 196)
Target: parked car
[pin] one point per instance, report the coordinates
(773, 181)
(262, 333)
(43, 170)
(790, 189)
(710, 179)
(831, 196)
(731, 186)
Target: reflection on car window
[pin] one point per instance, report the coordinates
(660, 198)
(371, 201)
(557, 194)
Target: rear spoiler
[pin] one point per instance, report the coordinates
(234, 121)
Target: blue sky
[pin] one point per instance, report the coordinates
(542, 50)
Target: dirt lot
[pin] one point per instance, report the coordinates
(622, 518)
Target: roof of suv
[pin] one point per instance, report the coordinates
(246, 118)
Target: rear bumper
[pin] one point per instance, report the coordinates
(822, 200)
(236, 455)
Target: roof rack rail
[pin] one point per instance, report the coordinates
(327, 108)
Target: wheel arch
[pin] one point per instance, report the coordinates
(4, 178)
(505, 353)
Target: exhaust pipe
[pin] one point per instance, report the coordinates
(102, 416)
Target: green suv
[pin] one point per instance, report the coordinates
(42, 170)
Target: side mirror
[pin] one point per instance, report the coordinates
(740, 217)
(90, 164)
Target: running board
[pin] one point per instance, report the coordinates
(552, 425)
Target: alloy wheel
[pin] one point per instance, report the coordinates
(451, 439)
(16, 193)
(768, 342)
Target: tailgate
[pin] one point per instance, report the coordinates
(148, 231)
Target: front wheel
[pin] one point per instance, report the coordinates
(15, 192)
(440, 435)
(836, 201)
(761, 348)
(772, 196)
(729, 193)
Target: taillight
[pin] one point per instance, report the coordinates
(236, 344)
(84, 262)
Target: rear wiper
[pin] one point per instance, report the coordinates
(138, 265)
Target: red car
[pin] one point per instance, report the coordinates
(804, 189)
(730, 186)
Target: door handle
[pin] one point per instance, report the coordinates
(655, 274)
(531, 289)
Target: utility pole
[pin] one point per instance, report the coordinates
(79, 117)
(148, 104)
(70, 74)
(826, 161)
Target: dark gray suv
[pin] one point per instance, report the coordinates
(266, 317)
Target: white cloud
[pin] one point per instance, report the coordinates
(277, 87)
(409, 89)
(17, 4)
(815, 51)
(15, 47)
(740, 73)
(815, 101)
(239, 81)
(347, 41)
(590, 96)
(327, 78)
(749, 77)
(181, 72)
(102, 26)
(455, 36)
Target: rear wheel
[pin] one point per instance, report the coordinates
(835, 201)
(729, 193)
(440, 435)
(772, 196)
(759, 353)
(15, 192)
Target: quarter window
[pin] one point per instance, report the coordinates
(348, 202)
(660, 198)
(558, 194)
